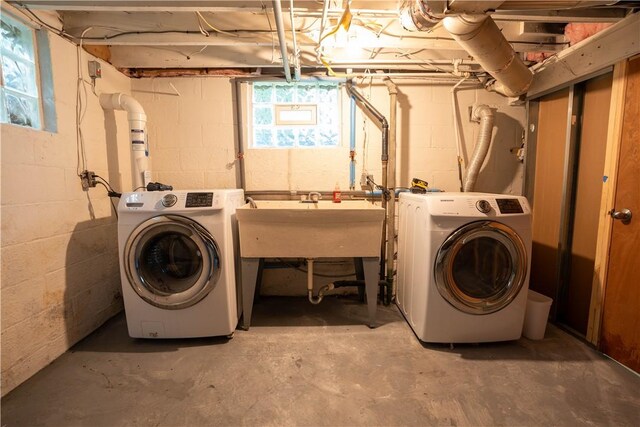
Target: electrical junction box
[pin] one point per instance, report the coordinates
(95, 70)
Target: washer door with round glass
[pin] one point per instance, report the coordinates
(171, 261)
(481, 267)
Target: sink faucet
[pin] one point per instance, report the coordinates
(312, 197)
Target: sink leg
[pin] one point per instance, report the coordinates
(249, 278)
(371, 278)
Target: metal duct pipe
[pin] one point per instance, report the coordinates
(391, 223)
(486, 116)
(137, 133)
(480, 37)
(353, 93)
(282, 40)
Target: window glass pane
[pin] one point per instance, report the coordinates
(328, 115)
(16, 38)
(21, 110)
(296, 115)
(262, 93)
(306, 93)
(263, 137)
(285, 137)
(19, 75)
(263, 116)
(328, 137)
(307, 137)
(328, 94)
(284, 93)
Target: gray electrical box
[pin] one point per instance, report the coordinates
(95, 71)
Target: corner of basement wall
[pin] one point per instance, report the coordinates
(60, 273)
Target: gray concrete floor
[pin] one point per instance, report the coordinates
(319, 365)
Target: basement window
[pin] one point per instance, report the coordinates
(295, 115)
(19, 100)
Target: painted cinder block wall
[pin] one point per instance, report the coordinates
(192, 126)
(60, 273)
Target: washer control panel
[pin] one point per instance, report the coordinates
(509, 206)
(169, 200)
(483, 206)
(199, 200)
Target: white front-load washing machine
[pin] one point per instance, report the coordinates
(178, 262)
(463, 265)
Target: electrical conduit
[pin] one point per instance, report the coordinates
(137, 132)
(282, 40)
(486, 116)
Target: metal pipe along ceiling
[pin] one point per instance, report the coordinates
(282, 40)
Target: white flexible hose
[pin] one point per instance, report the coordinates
(482, 145)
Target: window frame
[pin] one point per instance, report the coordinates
(249, 111)
(35, 65)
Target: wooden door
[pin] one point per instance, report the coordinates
(547, 194)
(620, 329)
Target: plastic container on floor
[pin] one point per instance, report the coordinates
(536, 315)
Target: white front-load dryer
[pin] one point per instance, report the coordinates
(178, 262)
(463, 265)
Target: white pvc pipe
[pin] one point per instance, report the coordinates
(137, 132)
(482, 145)
(481, 38)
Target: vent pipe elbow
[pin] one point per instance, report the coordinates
(481, 38)
(121, 101)
(137, 132)
(480, 151)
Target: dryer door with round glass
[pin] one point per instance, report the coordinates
(481, 267)
(171, 261)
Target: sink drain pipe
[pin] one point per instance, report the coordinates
(391, 211)
(354, 94)
(321, 292)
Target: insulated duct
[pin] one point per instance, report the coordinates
(485, 114)
(137, 133)
(482, 39)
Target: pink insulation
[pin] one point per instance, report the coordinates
(574, 33)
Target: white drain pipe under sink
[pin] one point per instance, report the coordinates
(137, 133)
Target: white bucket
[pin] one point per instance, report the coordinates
(536, 315)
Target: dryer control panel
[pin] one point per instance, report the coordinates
(509, 206)
(199, 200)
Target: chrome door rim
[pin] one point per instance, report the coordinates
(443, 271)
(206, 244)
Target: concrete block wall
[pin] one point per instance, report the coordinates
(60, 273)
(192, 130)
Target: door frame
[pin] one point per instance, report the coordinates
(605, 224)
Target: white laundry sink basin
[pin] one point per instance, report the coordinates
(293, 229)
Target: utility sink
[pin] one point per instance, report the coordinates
(294, 229)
